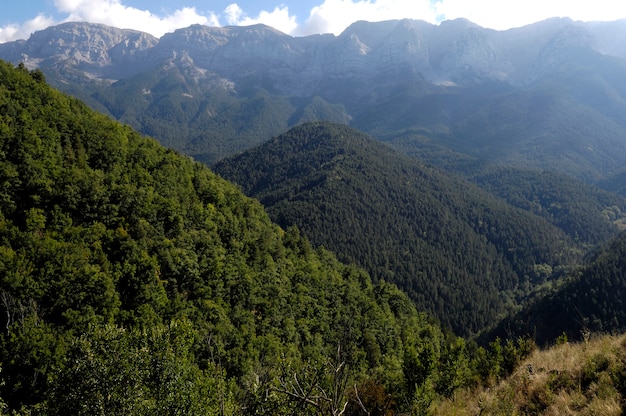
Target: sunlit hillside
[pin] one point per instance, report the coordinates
(586, 378)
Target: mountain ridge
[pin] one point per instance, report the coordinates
(366, 38)
(509, 96)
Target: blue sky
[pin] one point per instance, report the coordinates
(19, 18)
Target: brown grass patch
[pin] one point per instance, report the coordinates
(587, 378)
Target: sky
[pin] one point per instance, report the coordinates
(20, 18)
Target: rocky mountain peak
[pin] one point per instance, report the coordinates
(98, 50)
(89, 43)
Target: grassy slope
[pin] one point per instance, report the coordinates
(586, 378)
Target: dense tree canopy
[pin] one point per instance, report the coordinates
(459, 252)
(591, 301)
(586, 213)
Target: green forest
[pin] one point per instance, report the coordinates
(467, 256)
(136, 281)
(590, 301)
(570, 204)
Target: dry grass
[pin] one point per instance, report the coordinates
(586, 378)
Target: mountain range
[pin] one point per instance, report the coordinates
(525, 114)
(547, 96)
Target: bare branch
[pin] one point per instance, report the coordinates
(304, 399)
(9, 305)
(358, 398)
(345, 405)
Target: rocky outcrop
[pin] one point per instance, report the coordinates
(97, 50)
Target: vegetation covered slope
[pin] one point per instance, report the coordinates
(135, 281)
(590, 301)
(569, 119)
(586, 378)
(458, 252)
(615, 183)
(197, 114)
(588, 214)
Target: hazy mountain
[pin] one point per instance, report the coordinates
(548, 95)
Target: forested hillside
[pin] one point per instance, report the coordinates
(195, 116)
(460, 253)
(616, 183)
(135, 281)
(587, 213)
(591, 301)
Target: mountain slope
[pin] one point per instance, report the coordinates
(133, 280)
(589, 301)
(587, 213)
(458, 252)
(615, 182)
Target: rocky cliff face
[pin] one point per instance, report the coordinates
(98, 51)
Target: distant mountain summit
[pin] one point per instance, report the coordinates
(89, 49)
(549, 95)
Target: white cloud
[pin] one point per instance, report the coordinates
(330, 16)
(114, 13)
(498, 14)
(279, 18)
(13, 31)
(233, 14)
(333, 16)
